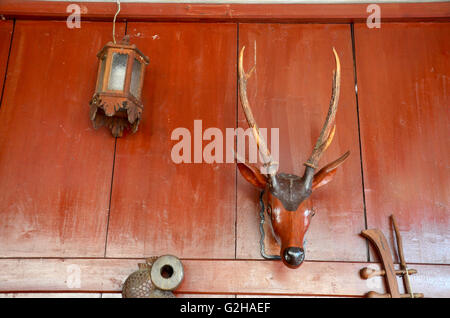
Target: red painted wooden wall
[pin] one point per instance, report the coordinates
(403, 91)
(158, 206)
(69, 191)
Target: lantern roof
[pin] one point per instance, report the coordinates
(124, 44)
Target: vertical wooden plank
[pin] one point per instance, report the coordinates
(291, 90)
(158, 206)
(6, 29)
(403, 88)
(55, 169)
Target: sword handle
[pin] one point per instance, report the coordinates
(373, 294)
(368, 272)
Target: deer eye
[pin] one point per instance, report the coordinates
(269, 210)
(310, 213)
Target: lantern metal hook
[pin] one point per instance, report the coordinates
(114, 21)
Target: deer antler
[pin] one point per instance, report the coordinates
(265, 153)
(328, 129)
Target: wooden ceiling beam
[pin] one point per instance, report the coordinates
(287, 13)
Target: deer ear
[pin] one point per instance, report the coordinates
(252, 175)
(322, 177)
(327, 173)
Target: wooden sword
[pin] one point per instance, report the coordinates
(377, 238)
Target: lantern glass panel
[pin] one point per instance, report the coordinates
(118, 71)
(101, 74)
(135, 85)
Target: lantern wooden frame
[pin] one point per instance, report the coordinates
(117, 109)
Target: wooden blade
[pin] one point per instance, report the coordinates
(379, 240)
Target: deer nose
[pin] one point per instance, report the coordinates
(293, 256)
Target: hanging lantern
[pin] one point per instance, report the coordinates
(117, 103)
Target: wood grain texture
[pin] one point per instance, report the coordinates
(158, 206)
(291, 90)
(50, 295)
(6, 30)
(178, 295)
(222, 277)
(228, 12)
(291, 296)
(403, 90)
(55, 169)
(98, 295)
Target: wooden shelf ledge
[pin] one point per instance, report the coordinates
(245, 277)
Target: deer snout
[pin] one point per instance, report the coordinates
(293, 257)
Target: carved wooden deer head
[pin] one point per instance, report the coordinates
(288, 198)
